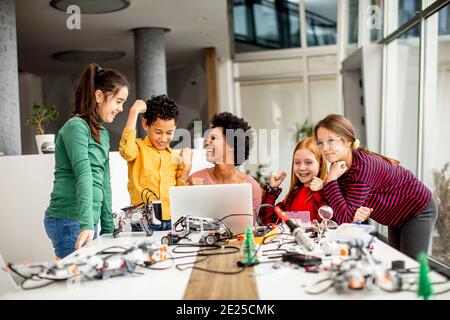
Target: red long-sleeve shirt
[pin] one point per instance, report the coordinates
(393, 192)
(300, 200)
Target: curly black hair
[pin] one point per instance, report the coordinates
(240, 138)
(161, 107)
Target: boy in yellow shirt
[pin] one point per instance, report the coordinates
(151, 162)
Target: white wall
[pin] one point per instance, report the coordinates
(30, 91)
(26, 183)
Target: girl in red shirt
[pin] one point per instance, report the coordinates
(308, 173)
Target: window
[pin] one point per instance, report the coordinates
(353, 7)
(406, 10)
(402, 110)
(321, 22)
(444, 21)
(266, 24)
(436, 154)
(377, 20)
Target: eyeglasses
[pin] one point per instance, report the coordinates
(330, 142)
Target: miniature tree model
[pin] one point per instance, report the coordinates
(424, 286)
(249, 249)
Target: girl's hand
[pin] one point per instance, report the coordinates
(139, 106)
(316, 184)
(84, 236)
(337, 170)
(276, 179)
(362, 214)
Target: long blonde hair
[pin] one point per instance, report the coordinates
(343, 127)
(310, 145)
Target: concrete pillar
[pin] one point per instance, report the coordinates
(10, 142)
(150, 64)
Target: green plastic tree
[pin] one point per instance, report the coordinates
(249, 249)
(424, 286)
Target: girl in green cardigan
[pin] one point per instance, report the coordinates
(81, 194)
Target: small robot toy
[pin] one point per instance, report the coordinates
(144, 214)
(198, 230)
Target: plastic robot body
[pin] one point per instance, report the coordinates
(197, 230)
(144, 216)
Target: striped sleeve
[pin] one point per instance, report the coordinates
(345, 206)
(266, 214)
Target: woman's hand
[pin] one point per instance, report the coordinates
(316, 184)
(139, 106)
(362, 214)
(84, 236)
(337, 169)
(276, 179)
(186, 156)
(196, 181)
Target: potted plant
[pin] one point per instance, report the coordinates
(303, 131)
(39, 119)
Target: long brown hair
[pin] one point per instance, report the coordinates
(343, 127)
(310, 145)
(108, 81)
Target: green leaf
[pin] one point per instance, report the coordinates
(40, 117)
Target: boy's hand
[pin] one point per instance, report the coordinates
(186, 156)
(139, 106)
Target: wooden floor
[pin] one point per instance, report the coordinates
(211, 286)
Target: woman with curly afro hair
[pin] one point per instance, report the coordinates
(227, 146)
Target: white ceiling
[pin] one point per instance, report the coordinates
(194, 25)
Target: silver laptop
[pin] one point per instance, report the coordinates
(215, 201)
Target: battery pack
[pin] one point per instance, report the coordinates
(300, 259)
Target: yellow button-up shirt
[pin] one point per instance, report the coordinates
(149, 167)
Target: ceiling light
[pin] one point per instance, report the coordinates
(91, 6)
(88, 55)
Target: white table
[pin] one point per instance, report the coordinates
(272, 284)
(154, 284)
(296, 281)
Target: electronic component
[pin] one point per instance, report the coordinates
(265, 234)
(102, 265)
(302, 260)
(298, 232)
(149, 213)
